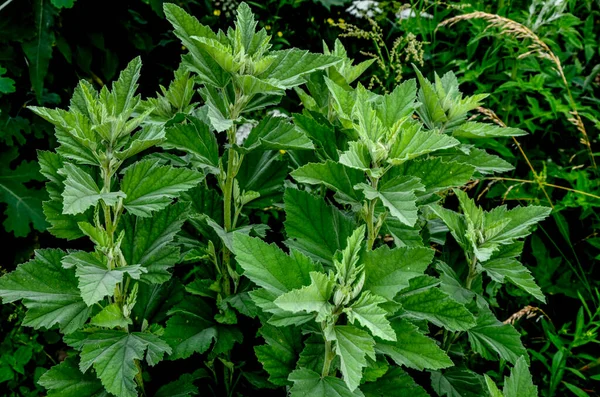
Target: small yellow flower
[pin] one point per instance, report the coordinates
(312, 19)
(217, 12)
(330, 21)
(280, 34)
(268, 27)
(183, 48)
(341, 20)
(282, 151)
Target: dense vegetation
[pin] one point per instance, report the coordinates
(351, 198)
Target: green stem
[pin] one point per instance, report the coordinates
(329, 356)
(371, 229)
(472, 272)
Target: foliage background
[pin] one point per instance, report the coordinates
(48, 45)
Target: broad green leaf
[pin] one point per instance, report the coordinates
(48, 291)
(335, 176)
(398, 196)
(491, 387)
(82, 192)
(277, 133)
(490, 337)
(483, 162)
(357, 156)
(7, 85)
(343, 100)
(414, 141)
(521, 220)
(289, 66)
(389, 270)
(198, 61)
(313, 227)
(510, 269)
(251, 86)
(190, 330)
(352, 346)
(313, 298)
(62, 226)
(263, 172)
(367, 312)
(111, 317)
(412, 348)
(66, 380)
(456, 223)
(195, 138)
(322, 135)
(313, 355)
(309, 383)
(395, 383)
(474, 130)
(269, 267)
(149, 241)
(520, 382)
(435, 174)
(423, 301)
(216, 110)
(96, 280)
(398, 104)
(457, 383)
(369, 127)
(431, 110)
(150, 186)
(125, 87)
(280, 354)
(113, 355)
(220, 52)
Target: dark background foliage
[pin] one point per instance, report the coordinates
(46, 46)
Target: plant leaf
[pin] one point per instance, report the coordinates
(195, 138)
(368, 313)
(309, 383)
(48, 291)
(457, 383)
(151, 187)
(396, 383)
(66, 380)
(280, 354)
(290, 65)
(520, 382)
(353, 345)
(313, 298)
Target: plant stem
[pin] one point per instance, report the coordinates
(329, 356)
(371, 230)
(472, 273)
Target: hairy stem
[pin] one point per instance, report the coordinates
(472, 272)
(329, 356)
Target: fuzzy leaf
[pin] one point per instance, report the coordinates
(113, 355)
(280, 354)
(398, 196)
(313, 298)
(367, 312)
(396, 383)
(457, 383)
(491, 336)
(66, 380)
(48, 291)
(269, 267)
(289, 66)
(335, 176)
(415, 141)
(520, 382)
(389, 270)
(308, 383)
(313, 227)
(474, 130)
(150, 186)
(423, 301)
(82, 192)
(353, 345)
(195, 138)
(413, 349)
(277, 133)
(502, 269)
(398, 104)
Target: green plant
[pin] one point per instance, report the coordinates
(355, 296)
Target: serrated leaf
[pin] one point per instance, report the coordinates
(195, 138)
(490, 337)
(277, 133)
(123, 90)
(395, 383)
(398, 196)
(520, 382)
(150, 186)
(309, 383)
(352, 346)
(357, 156)
(280, 354)
(113, 355)
(367, 312)
(335, 176)
(412, 348)
(313, 227)
(313, 355)
(66, 380)
(389, 270)
(398, 104)
(313, 298)
(62, 226)
(457, 383)
(182, 387)
(111, 317)
(475, 130)
(82, 192)
(95, 279)
(190, 330)
(146, 138)
(148, 241)
(48, 291)
(289, 66)
(510, 269)
(322, 135)
(415, 141)
(423, 301)
(269, 267)
(483, 162)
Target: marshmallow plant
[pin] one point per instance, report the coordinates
(182, 252)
